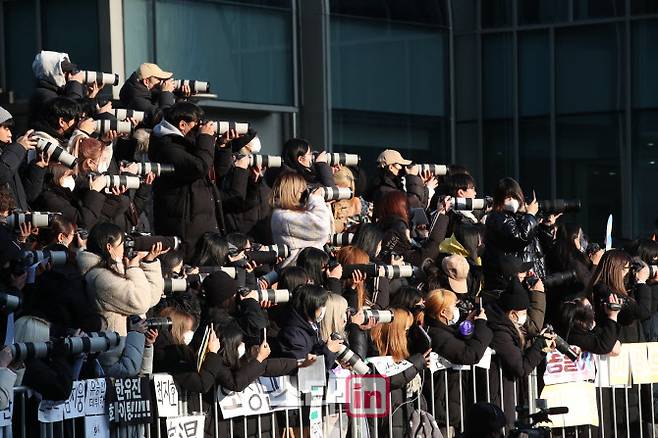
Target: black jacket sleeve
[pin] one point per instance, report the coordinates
(515, 362)
(85, 212)
(399, 380)
(203, 380)
(430, 248)
(238, 380)
(417, 193)
(251, 318)
(600, 340)
(74, 90)
(519, 230)
(52, 379)
(325, 174)
(464, 351)
(280, 367)
(33, 181)
(10, 161)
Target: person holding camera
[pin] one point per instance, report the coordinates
(134, 354)
(119, 286)
(56, 77)
(184, 203)
(441, 317)
(517, 354)
(300, 218)
(149, 89)
(512, 229)
(26, 184)
(298, 157)
(578, 326)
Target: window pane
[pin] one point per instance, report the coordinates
(496, 13)
(387, 67)
(137, 33)
(247, 59)
(534, 74)
(498, 152)
(464, 15)
(497, 83)
(422, 139)
(417, 11)
(535, 156)
(645, 172)
(588, 168)
(543, 11)
(644, 7)
(468, 150)
(20, 46)
(584, 9)
(645, 64)
(587, 69)
(466, 86)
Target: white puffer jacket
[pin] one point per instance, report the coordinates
(118, 296)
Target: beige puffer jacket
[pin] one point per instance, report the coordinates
(118, 296)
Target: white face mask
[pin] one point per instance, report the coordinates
(512, 205)
(254, 145)
(242, 349)
(455, 317)
(68, 182)
(521, 319)
(102, 167)
(323, 310)
(187, 337)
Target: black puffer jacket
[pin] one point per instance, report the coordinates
(512, 357)
(46, 91)
(516, 235)
(447, 343)
(318, 174)
(134, 95)
(385, 182)
(82, 207)
(252, 214)
(24, 188)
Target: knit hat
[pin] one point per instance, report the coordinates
(456, 268)
(243, 140)
(5, 115)
(219, 287)
(514, 297)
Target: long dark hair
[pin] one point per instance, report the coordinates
(470, 237)
(99, 236)
(314, 261)
(230, 337)
(368, 237)
(308, 299)
(292, 150)
(292, 277)
(647, 250)
(211, 250)
(575, 314)
(564, 253)
(507, 187)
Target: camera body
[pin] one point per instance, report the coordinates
(561, 345)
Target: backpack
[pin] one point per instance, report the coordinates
(422, 425)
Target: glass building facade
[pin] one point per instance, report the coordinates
(561, 94)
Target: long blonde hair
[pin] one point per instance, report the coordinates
(391, 338)
(436, 301)
(178, 320)
(287, 191)
(334, 318)
(352, 255)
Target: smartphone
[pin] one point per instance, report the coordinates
(263, 335)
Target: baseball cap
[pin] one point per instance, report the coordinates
(456, 268)
(510, 265)
(147, 70)
(390, 156)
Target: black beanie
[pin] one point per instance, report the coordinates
(242, 141)
(514, 297)
(219, 287)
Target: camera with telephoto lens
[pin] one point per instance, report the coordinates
(142, 243)
(526, 425)
(125, 114)
(434, 169)
(154, 323)
(94, 343)
(181, 284)
(9, 302)
(196, 87)
(560, 206)
(224, 127)
(560, 279)
(334, 159)
(98, 77)
(470, 204)
(117, 181)
(57, 153)
(349, 359)
(58, 258)
(341, 239)
(38, 219)
(144, 168)
(336, 193)
(271, 161)
(274, 296)
(120, 126)
(380, 316)
(374, 270)
(280, 249)
(561, 345)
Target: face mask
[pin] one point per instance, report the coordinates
(455, 317)
(323, 310)
(187, 337)
(68, 182)
(254, 145)
(511, 205)
(521, 319)
(241, 350)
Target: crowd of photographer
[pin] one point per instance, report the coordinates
(141, 237)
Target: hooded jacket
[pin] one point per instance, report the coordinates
(51, 81)
(118, 296)
(135, 96)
